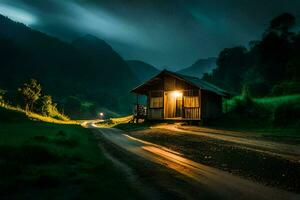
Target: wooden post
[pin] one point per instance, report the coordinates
(182, 106)
(137, 108)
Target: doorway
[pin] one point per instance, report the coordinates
(173, 104)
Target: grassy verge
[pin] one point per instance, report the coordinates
(269, 116)
(268, 102)
(112, 122)
(133, 126)
(62, 119)
(41, 160)
(124, 123)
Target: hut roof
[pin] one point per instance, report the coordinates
(201, 84)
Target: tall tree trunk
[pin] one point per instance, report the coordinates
(26, 107)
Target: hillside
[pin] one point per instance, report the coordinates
(200, 67)
(72, 73)
(142, 70)
(44, 160)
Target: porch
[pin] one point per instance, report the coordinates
(171, 105)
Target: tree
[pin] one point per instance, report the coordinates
(31, 92)
(282, 23)
(2, 93)
(232, 64)
(46, 105)
(276, 49)
(268, 62)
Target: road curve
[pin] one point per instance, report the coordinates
(219, 182)
(287, 151)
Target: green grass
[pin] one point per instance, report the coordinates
(132, 126)
(273, 102)
(268, 102)
(269, 116)
(41, 160)
(9, 111)
(124, 123)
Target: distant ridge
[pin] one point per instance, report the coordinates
(143, 71)
(200, 67)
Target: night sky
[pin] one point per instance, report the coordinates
(165, 33)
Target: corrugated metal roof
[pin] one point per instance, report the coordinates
(201, 84)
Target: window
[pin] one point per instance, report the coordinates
(156, 102)
(191, 102)
(191, 93)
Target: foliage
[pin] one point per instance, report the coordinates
(2, 93)
(275, 101)
(31, 92)
(286, 88)
(46, 105)
(266, 65)
(18, 114)
(37, 104)
(262, 114)
(231, 62)
(282, 23)
(247, 107)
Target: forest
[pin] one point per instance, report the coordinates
(269, 67)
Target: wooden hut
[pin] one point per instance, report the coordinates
(173, 96)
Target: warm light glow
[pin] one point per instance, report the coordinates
(101, 114)
(177, 94)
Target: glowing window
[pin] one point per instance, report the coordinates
(191, 102)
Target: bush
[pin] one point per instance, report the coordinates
(248, 108)
(46, 107)
(245, 106)
(2, 93)
(286, 88)
(286, 114)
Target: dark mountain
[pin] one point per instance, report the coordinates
(88, 70)
(142, 70)
(200, 67)
(105, 62)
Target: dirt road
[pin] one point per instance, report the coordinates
(255, 143)
(225, 185)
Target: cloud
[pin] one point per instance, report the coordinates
(164, 33)
(99, 22)
(18, 14)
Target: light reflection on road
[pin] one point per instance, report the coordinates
(219, 182)
(287, 151)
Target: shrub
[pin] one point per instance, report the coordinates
(286, 88)
(245, 106)
(45, 105)
(2, 93)
(31, 92)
